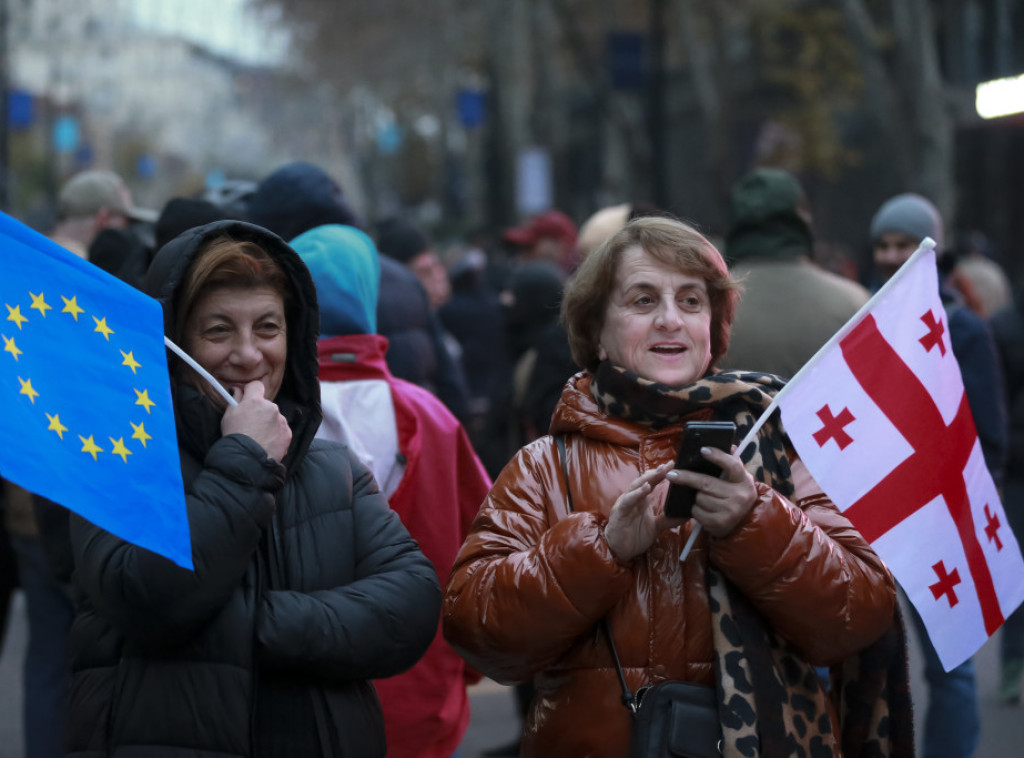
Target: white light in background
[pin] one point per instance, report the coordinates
(1000, 97)
(230, 27)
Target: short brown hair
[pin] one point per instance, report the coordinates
(668, 241)
(230, 263)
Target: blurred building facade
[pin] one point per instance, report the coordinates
(91, 87)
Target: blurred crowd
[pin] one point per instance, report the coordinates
(464, 340)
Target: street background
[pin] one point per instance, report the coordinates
(494, 719)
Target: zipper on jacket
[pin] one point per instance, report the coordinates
(115, 699)
(255, 670)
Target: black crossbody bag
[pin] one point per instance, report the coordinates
(671, 719)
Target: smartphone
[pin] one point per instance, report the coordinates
(697, 434)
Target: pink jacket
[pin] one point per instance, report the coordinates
(426, 709)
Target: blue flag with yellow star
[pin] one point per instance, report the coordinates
(87, 419)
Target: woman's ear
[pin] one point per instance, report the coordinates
(602, 354)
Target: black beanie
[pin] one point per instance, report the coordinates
(398, 239)
(183, 213)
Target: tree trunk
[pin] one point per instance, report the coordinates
(509, 102)
(925, 92)
(880, 95)
(711, 92)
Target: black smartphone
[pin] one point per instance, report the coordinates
(697, 434)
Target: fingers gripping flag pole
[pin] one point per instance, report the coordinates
(201, 371)
(88, 421)
(881, 421)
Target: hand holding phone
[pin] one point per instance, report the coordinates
(697, 434)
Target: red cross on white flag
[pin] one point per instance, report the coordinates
(880, 418)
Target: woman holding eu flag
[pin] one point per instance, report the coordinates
(306, 585)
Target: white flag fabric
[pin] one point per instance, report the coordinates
(880, 418)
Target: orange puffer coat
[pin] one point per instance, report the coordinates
(532, 581)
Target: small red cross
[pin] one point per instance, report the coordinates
(945, 584)
(833, 428)
(935, 332)
(992, 528)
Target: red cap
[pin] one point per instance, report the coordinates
(553, 224)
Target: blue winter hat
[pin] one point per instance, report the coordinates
(908, 214)
(346, 271)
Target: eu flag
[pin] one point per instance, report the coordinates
(87, 419)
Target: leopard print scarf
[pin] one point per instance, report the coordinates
(772, 704)
(739, 396)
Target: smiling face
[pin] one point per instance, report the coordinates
(239, 336)
(657, 323)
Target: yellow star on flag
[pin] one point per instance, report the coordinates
(71, 306)
(14, 314)
(102, 328)
(120, 449)
(140, 433)
(39, 304)
(88, 446)
(129, 361)
(143, 400)
(10, 347)
(26, 389)
(55, 425)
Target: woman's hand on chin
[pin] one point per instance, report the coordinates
(721, 503)
(258, 418)
(633, 525)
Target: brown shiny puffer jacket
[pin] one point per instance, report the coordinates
(532, 581)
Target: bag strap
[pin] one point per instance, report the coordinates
(628, 698)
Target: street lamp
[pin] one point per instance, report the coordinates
(1000, 97)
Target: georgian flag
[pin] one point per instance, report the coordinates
(880, 418)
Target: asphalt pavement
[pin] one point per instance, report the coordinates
(494, 720)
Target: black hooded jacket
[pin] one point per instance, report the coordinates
(306, 585)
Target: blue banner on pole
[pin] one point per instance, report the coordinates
(87, 418)
(20, 109)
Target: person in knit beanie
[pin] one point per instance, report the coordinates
(952, 722)
(769, 245)
(897, 229)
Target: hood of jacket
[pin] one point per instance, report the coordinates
(198, 419)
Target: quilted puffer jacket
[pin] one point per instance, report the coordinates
(306, 584)
(532, 581)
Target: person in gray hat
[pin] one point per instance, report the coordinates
(897, 229)
(952, 723)
(89, 202)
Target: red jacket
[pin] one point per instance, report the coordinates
(532, 582)
(426, 709)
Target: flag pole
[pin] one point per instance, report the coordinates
(200, 370)
(927, 246)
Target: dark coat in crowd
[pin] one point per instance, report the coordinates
(416, 350)
(1008, 329)
(306, 585)
(540, 364)
(474, 317)
(978, 357)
